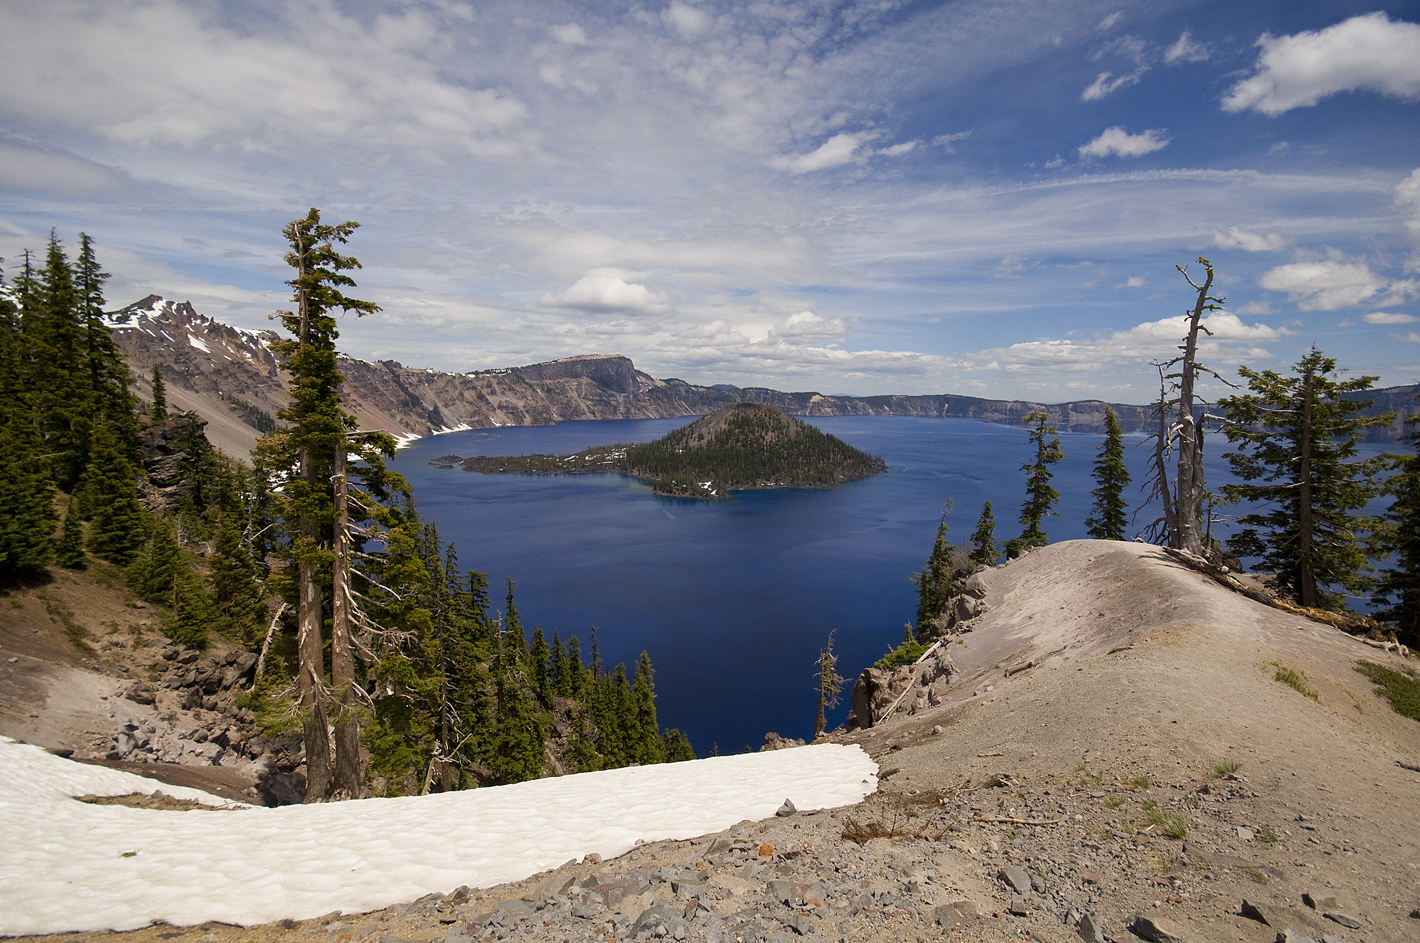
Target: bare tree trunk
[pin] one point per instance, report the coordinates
(1188, 505)
(346, 782)
(1306, 574)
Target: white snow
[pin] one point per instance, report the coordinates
(199, 343)
(74, 866)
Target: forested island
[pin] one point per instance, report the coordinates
(739, 447)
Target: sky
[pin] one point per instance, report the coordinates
(986, 197)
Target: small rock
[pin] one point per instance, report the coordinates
(1089, 929)
(1155, 929)
(1291, 935)
(786, 809)
(1014, 877)
(1343, 918)
(1018, 907)
(958, 913)
(1245, 833)
(766, 850)
(1255, 912)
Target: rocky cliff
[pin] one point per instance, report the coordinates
(234, 381)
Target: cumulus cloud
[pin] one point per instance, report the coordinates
(807, 327)
(1185, 50)
(1332, 285)
(1235, 237)
(606, 290)
(1413, 337)
(1365, 53)
(568, 34)
(1384, 317)
(1133, 281)
(1118, 141)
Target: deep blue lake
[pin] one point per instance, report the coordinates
(735, 599)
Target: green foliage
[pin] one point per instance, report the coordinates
(1169, 823)
(1397, 595)
(28, 518)
(1402, 689)
(1296, 445)
(1110, 515)
(111, 491)
(935, 580)
(236, 587)
(158, 411)
(830, 685)
(675, 746)
(193, 613)
(984, 551)
(70, 554)
(1040, 496)
(157, 564)
(906, 653)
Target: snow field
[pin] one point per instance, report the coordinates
(73, 866)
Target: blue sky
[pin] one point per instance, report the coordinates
(975, 197)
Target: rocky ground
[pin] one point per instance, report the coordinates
(1110, 755)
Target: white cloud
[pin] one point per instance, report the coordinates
(1413, 337)
(1011, 267)
(1369, 52)
(605, 290)
(1407, 197)
(1104, 83)
(1235, 237)
(896, 150)
(837, 150)
(808, 327)
(948, 141)
(685, 18)
(1384, 317)
(168, 73)
(1118, 141)
(1185, 50)
(1109, 21)
(39, 171)
(568, 34)
(1133, 281)
(1329, 285)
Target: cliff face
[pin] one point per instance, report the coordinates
(234, 381)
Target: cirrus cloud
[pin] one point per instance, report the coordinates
(1238, 238)
(1365, 53)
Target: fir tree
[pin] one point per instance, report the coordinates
(111, 489)
(571, 677)
(1397, 596)
(235, 585)
(1040, 497)
(512, 627)
(830, 684)
(71, 540)
(157, 566)
(192, 613)
(28, 518)
(1295, 441)
(935, 580)
(984, 551)
(59, 371)
(538, 657)
(675, 746)
(1110, 516)
(158, 411)
(107, 370)
(645, 730)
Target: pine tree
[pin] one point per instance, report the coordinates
(645, 729)
(984, 551)
(28, 518)
(1110, 516)
(1295, 441)
(312, 449)
(1040, 497)
(158, 564)
(1397, 597)
(158, 411)
(70, 554)
(935, 580)
(111, 489)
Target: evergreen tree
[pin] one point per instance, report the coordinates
(1040, 497)
(1295, 441)
(935, 580)
(984, 551)
(1397, 596)
(28, 518)
(675, 746)
(538, 657)
(645, 729)
(512, 627)
(310, 450)
(158, 564)
(107, 370)
(235, 585)
(54, 340)
(192, 612)
(71, 540)
(111, 489)
(1110, 516)
(571, 677)
(158, 411)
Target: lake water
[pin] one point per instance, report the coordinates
(735, 599)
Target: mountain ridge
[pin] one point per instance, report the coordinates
(232, 378)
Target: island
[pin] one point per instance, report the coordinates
(739, 447)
